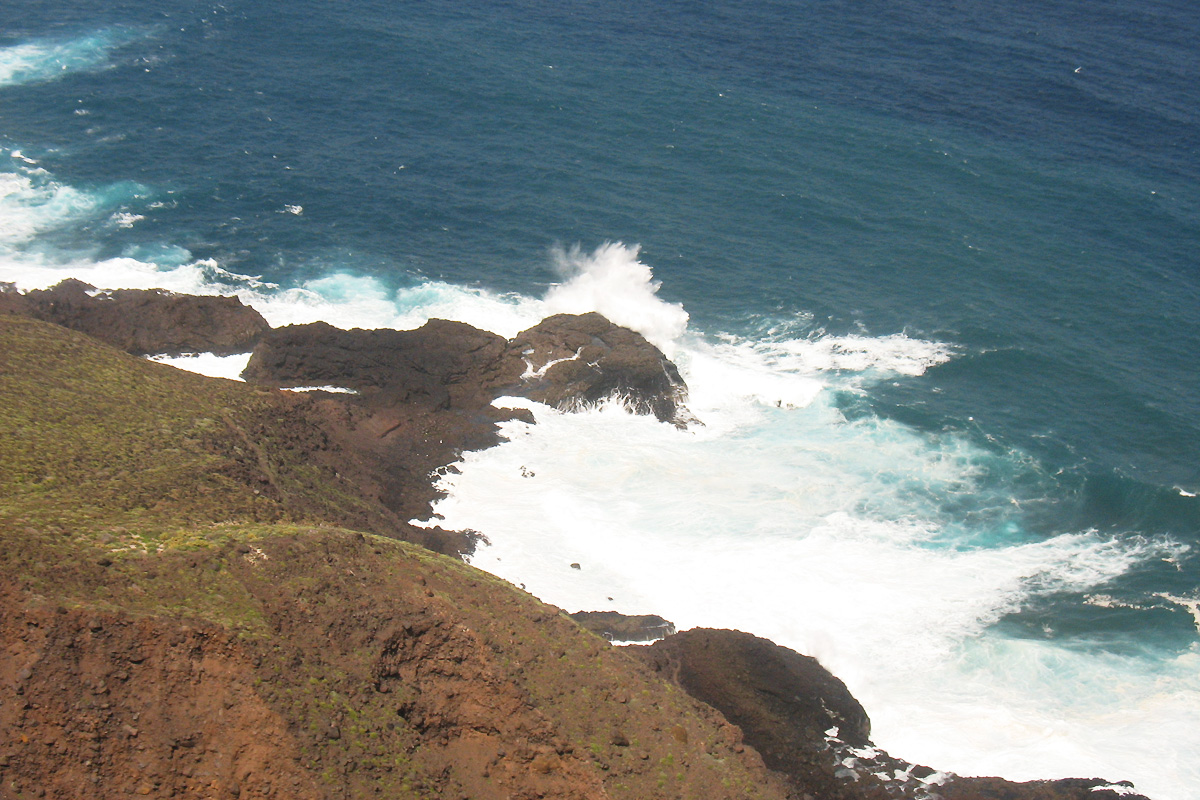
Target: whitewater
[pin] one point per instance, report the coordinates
(897, 553)
(775, 513)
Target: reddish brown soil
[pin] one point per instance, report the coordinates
(346, 667)
(102, 705)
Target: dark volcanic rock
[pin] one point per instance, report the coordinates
(573, 359)
(565, 361)
(957, 788)
(763, 687)
(786, 704)
(618, 627)
(144, 321)
(425, 397)
(442, 364)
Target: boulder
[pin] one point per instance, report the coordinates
(574, 359)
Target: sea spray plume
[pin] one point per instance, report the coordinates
(612, 281)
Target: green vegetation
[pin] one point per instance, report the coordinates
(134, 490)
(103, 447)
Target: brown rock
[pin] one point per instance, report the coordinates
(575, 359)
(145, 321)
(566, 361)
(440, 365)
(783, 701)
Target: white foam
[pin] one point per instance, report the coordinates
(41, 60)
(33, 270)
(1029, 710)
(331, 389)
(540, 372)
(29, 207)
(828, 536)
(229, 367)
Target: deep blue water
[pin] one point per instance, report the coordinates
(1018, 180)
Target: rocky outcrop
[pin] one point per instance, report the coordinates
(441, 365)
(808, 726)
(617, 627)
(425, 396)
(576, 359)
(423, 399)
(144, 321)
(765, 689)
(566, 361)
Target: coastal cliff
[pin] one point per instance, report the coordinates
(212, 590)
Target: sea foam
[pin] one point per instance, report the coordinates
(48, 59)
(842, 538)
(828, 537)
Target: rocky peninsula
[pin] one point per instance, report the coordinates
(211, 589)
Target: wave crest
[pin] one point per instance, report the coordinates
(612, 281)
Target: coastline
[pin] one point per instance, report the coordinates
(341, 425)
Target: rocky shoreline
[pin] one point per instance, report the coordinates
(213, 589)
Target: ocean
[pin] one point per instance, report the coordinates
(929, 269)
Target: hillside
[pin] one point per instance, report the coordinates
(208, 594)
(186, 618)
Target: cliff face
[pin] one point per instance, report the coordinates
(206, 594)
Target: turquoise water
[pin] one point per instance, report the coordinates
(937, 262)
